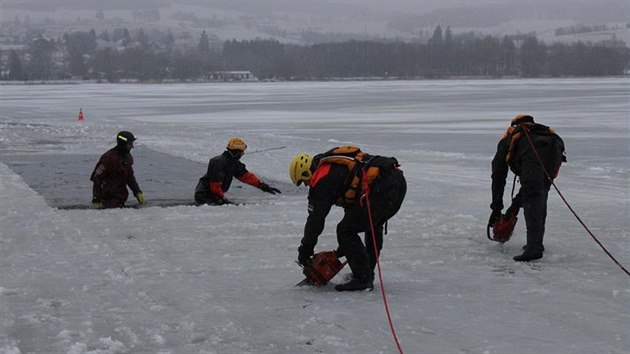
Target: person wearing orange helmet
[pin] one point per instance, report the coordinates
(522, 149)
(212, 187)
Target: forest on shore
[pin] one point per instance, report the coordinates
(138, 55)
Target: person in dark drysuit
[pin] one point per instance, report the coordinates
(113, 173)
(514, 151)
(328, 184)
(222, 169)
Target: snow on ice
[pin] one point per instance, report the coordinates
(210, 279)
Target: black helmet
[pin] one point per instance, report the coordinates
(124, 137)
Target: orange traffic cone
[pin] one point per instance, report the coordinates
(80, 119)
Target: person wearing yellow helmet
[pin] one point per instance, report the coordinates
(339, 177)
(113, 173)
(217, 180)
(522, 148)
(300, 168)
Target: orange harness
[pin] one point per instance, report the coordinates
(353, 158)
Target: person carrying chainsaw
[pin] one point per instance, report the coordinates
(351, 179)
(522, 149)
(222, 169)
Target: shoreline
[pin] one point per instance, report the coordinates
(163, 82)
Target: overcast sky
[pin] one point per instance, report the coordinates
(414, 6)
(339, 15)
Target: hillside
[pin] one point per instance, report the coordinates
(308, 22)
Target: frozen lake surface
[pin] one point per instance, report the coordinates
(221, 279)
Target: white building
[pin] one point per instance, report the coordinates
(243, 75)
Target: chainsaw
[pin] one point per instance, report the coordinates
(503, 228)
(323, 267)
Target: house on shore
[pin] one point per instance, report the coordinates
(241, 75)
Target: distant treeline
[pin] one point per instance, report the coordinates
(577, 29)
(120, 55)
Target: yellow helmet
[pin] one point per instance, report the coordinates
(236, 144)
(300, 168)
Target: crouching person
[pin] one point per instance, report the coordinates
(345, 177)
(222, 169)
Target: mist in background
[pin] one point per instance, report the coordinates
(310, 40)
(402, 20)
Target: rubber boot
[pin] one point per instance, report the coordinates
(525, 247)
(528, 256)
(357, 284)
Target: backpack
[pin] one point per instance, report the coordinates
(548, 145)
(364, 169)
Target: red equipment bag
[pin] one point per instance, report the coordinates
(503, 228)
(325, 266)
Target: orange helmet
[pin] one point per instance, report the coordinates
(236, 144)
(522, 118)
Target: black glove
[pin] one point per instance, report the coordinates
(494, 217)
(269, 189)
(515, 206)
(497, 204)
(512, 210)
(304, 255)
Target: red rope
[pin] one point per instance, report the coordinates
(567, 203)
(380, 275)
